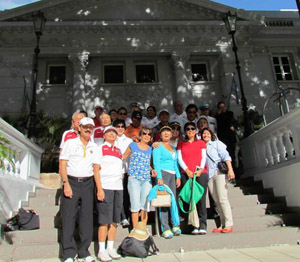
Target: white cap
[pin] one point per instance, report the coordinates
(87, 121)
(163, 110)
(110, 128)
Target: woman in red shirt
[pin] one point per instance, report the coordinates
(192, 159)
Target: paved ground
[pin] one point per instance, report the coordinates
(283, 253)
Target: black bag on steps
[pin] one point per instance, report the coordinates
(28, 219)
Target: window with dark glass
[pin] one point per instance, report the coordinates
(113, 74)
(199, 72)
(57, 74)
(145, 73)
(282, 68)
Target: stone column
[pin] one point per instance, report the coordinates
(182, 90)
(80, 63)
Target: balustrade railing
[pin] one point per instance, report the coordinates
(273, 145)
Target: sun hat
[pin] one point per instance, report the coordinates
(86, 121)
(165, 128)
(140, 232)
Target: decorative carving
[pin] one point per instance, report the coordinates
(80, 60)
(180, 59)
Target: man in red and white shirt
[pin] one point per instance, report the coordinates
(108, 178)
(74, 132)
(76, 169)
(98, 134)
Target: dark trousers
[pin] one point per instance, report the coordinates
(81, 203)
(126, 201)
(201, 205)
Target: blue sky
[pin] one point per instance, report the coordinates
(244, 4)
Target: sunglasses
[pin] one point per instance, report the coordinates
(190, 128)
(146, 134)
(122, 114)
(120, 126)
(192, 112)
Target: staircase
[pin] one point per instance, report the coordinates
(258, 221)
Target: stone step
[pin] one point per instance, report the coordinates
(271, 237)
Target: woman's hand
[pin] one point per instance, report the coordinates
(231, 174)
(68, 190)
(178, 182)
(199, 172)
(100, 194)
(155, 144)
(153, 173)
(160, 181)
(189, 173)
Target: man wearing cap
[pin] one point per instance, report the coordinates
(137, 107)
(76, 169)
(98, 112)
(108, 178)
(105, 121)
(133, 130)
(212, 122)
(163, 116)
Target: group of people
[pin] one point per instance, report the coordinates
(123, 156)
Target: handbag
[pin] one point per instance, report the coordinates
(222, 166)
(192, 191)
(163, 198)
(28, 219)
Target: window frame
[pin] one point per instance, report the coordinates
(199, 62)
(56, 64)
(114, 63)
(137, 63)
(281, 65)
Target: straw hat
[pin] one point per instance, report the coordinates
(140, 232)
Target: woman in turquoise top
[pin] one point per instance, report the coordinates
(166, 166)
(139, 175)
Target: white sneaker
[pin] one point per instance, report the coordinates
(202, 232)
(113, 253)
(89, 259)
(104, 256)
(69, 260)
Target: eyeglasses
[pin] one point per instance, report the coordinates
(192, 112)
(122, 114)
(146, 134)
(120, 126)
(190, 128)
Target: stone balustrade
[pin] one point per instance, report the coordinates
(272, 155)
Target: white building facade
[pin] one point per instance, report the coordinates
(114, 52)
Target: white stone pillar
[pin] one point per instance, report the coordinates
(182, 87)
(80, 63)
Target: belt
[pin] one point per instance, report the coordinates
(80, 179)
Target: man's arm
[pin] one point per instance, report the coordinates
(64, 176)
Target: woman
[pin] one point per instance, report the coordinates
(139, 180)
(176, 134)
(216, 152)
(165, 164)
(113, 115)
(192, 159)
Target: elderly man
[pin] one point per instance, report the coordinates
(76, 169)
(105, 121)
(179, 115)
(108, 178)
(74, 132)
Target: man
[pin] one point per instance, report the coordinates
(136, 107)
(108, 177)
(76, 169)
(74, 132)
(133, 130)
(191, 114)
(179, 115)
(226, 130)
(212, 122)
(98, 112)
(163, 117)
(105, 121)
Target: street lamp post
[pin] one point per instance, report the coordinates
(230, 23)
(39, 25)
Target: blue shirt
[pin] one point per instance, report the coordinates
(139, 162)
(163, 159)
(217, 151)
